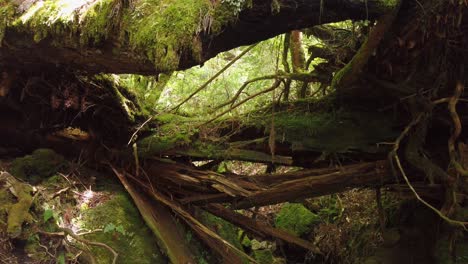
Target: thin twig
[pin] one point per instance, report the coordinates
(438, 212)
(203, 86)
(138, 130)
(66, 231)
(236, 96)
(273, 87)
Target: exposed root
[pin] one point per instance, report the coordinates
(394, 156)
(68, 232)
(452, 104)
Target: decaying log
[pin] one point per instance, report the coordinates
(34, 41)
(317, 185)
(259, 229)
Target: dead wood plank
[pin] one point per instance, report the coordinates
(317, 186)
(259, 229)
(272, 179)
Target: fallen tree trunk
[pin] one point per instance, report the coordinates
(118, 37)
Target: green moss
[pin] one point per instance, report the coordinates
(159, 31)
(124, 231)
(165, 28)
(338, 132)
(174, 131)
(263, 256)
(97, 22)
(6, 201)
(388, 4)
(71, 22)
(157, 144)
(54, 180)
(19, 212)
(7, 12)
(147, 88)
(225, 14)
(295, 218)
(226, 230)
(41, 164)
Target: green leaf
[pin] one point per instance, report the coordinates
(61, 259)
(109, 228)
(120, 229)
(48, 213)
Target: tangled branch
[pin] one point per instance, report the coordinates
(394, 156)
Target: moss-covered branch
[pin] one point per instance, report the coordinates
(352, 71)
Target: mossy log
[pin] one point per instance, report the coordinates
(152, 37)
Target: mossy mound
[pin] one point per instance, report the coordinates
(42, 163)
(123, 230)
(295, 218)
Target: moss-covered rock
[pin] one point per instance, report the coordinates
(295, 218)
(124, 231)
(41, 164)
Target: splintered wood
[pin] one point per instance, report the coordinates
(183, 188)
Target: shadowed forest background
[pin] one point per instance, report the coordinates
(233, 131)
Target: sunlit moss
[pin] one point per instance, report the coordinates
(160, 29)
(124, 231)
(7, 11)
(165, 28)
(19, 212)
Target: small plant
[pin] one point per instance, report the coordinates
(235, 4)
(113, 228)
